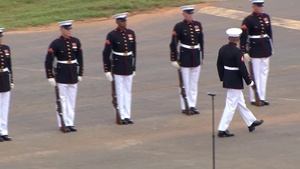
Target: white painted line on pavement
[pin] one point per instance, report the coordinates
(240, 15)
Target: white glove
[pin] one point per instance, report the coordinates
(79, 78)
(109, 76)
(251, 84)
(12, 86)
(52, 82)
(247, 57)
(133, 73)
(175, 64)
(202, 62)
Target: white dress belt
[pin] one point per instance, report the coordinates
(122, 54)
(4, 70)
(231, 68)
(67, 61)
(263, 36)
(258, 36)
(190, 47)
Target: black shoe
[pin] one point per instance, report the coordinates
(124, 122)
(254, 124)
(187, 113)
(72, 128)
(66, 130)
(266, 103)
(225, 134)
(129, 121)
(194, 110)
(251, 128)
(260, 104)
(6, 138)
(1, 139)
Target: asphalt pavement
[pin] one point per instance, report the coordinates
(162, 137)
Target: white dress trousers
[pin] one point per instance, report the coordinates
(67, 95)
(260, 71)
(4, 109)
(190, 78)
(123, 85)
(235, 99)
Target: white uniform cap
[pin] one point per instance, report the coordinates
(121, 15)
(187, 7)
(66, 24)
(234, 32)
(257, 1)
(1, 31)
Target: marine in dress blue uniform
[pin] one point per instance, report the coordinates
(232, 70)
(6, 84)
(191, 54)
(256, 42)
(119, 62)
(66, 50)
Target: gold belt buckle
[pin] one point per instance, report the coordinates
(261, 36)
(125, 53)
(192, 47)
(1, 70)
(69, 61)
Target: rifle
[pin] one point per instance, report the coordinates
(58, 103)
(258, 102)
(181, 85)
(59, 111)
(183, 94)
(114, 98)
(257, 99)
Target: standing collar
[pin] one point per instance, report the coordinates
(64, 38)
(256, 14)
(121, 30)
(232, 43)
(188, 22)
